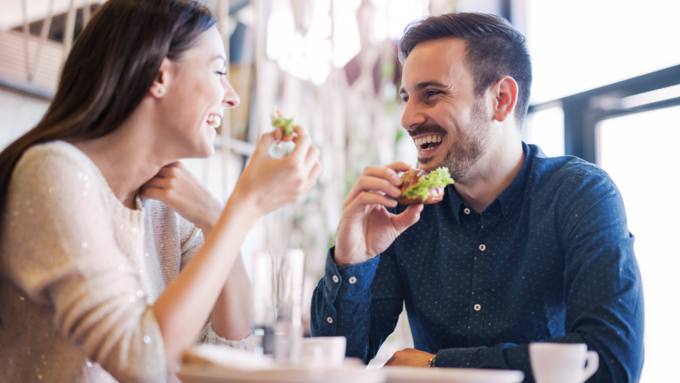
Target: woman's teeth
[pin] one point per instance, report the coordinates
(214, 121)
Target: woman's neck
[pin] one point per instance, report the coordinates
(126, 157)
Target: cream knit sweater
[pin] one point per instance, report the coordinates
(79, 272)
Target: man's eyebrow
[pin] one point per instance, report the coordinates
(426, 84)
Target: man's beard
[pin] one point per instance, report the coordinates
(469, 147)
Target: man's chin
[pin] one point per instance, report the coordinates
(430, 163)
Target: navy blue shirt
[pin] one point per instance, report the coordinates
(550, 259)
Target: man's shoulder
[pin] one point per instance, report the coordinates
(569, 178)
(550, 171)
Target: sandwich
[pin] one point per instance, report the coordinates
(419, 186)
(283, 124)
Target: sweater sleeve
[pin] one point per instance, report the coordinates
(60, 249)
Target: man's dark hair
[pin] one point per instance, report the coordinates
(494, 49)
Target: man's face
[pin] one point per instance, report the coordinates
(449, 125)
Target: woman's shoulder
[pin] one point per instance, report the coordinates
(53, 154)
(56, 166)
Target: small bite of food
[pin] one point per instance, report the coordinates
(419, 186)
(283, 124)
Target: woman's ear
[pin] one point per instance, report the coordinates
(505, 98)
(160, 84)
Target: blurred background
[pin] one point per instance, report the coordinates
(606, 88)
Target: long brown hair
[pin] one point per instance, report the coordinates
(110, 68)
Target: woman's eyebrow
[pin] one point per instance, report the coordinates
(218, 57)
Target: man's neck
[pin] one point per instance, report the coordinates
(491, 175)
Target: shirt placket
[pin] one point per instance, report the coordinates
(479, 286)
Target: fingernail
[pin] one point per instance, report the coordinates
(396, 178)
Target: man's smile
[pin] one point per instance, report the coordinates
(428, 144)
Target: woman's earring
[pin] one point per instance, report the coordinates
(161, 91)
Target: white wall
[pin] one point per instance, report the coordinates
(18, 114)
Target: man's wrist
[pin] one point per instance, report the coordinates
(432, 361)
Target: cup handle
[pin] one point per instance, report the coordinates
(593, 361)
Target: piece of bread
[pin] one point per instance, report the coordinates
(412, 177)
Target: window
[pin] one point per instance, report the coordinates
(639, 151)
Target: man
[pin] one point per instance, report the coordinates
(523, 248)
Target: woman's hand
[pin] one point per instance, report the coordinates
(269, 183)
(175, 186)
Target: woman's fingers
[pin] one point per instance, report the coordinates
(157, 193)
(266, 140)
(312, 157)
(302, 145)
(157, 183)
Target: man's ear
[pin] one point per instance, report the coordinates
(162, 80)
(505, 93)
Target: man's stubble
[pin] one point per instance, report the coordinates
(470, 146)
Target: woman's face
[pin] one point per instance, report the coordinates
(197, 93)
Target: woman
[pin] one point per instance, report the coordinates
(99, 219)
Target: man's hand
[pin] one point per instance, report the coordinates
(366, 229)
(410, 357)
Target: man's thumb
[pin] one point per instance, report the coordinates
(407, 218)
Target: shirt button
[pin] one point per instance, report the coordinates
(477, 308)
(353, 280)
(336, 279)
(466, 210)
(482, 247)
(329, 319)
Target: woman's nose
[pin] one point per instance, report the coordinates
(231, 99)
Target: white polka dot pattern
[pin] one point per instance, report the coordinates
(550, 259)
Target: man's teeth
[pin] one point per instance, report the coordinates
(214, 121)
(428, 139)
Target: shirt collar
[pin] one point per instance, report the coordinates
(511, 197)
(455, 202)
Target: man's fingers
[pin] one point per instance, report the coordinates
(383, 172)
(366, 198)
(407, 218)
(399, 166)
(366, 183)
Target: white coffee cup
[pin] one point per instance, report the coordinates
(562, 362)
(328, 351)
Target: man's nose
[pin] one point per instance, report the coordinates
(412, 116)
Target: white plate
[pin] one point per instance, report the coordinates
(451, 375)
(207, 373)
